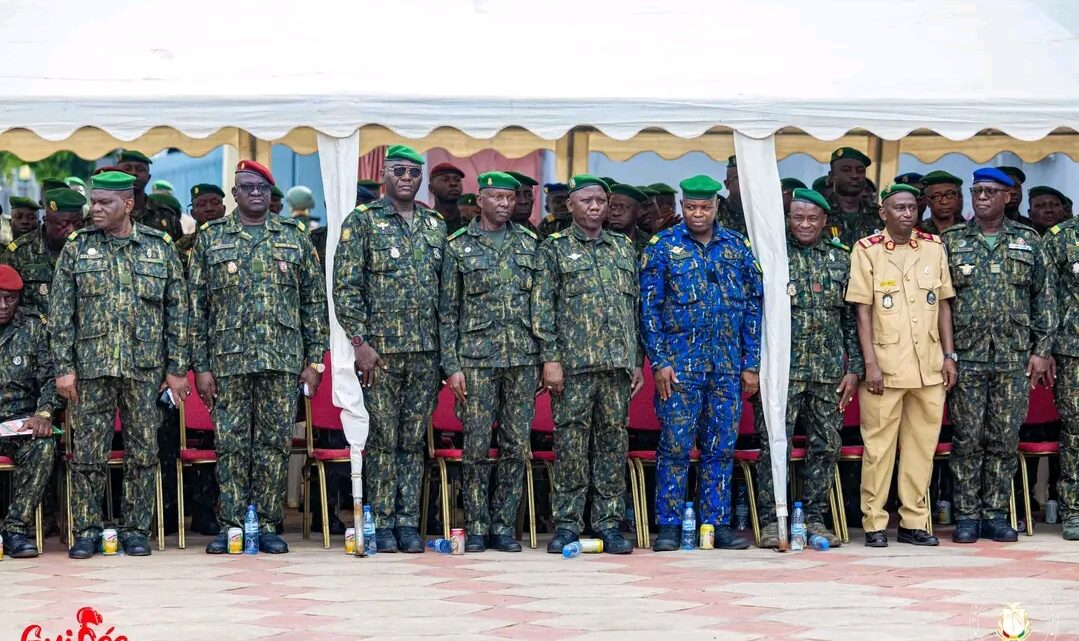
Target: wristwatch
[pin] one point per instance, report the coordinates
(952, 355)
(44, 413)
(318, 367)
(357, 340)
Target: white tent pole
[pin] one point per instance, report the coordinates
(762, 201)
(339, 160)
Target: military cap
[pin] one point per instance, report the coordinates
(894, 189)
(168, 201)
(791, 183)
(206, 188)
(252, 167)
(48, 184)
(19, 202)
(647, 191)
(580, 181)
(363, 193)
(662, 189)
(629, 190)
(64, 199)
(9, 279)
(526, 181)
(732, 161)
(372, 185)
(162, 184)
(851, 153)
(75, 180)
(611, 182)
(555, 188)
(300, 197)
(113, 181)
(467, 199)
(908, 178)
(994, 175)
(941, 177)
(1042, 190)
(801, 194)
(275, 192)
(497, 180)
(699, 187)
(446, 168)
(820, 183)
(1015, 173)
(131, 155)
(105, 168)
(404, 152)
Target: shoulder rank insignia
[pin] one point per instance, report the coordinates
(869, 241)
(362, 208)
(527, 231)
(12, 246)
(745, 239)
(557, 234)
(44, 319)
(166, 238)
(654, 239)
(204, 226)
(835, 242)
(921, 235)
(73, 235)
(346, 234)
(757, 264)
(457, 233)
(435, 213)
(1055, 229)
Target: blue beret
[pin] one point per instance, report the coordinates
(555, 188)
(993, 175)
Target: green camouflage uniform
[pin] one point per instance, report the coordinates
(118, 317)
(554, 222)
(585, 307)
(27, 385)
(386, 290)
(929, 226)
(824, 335)
(35, 262)
(318, 239)
(850, 228)
(258, 317)
(159, 218)
(1001, 311)
(486, 333)
(731, 216)
(1062, 261)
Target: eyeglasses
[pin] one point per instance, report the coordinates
(944, 195)
(250, 188)
(415, 172)
(988, 192)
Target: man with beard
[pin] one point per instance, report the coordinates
(944, 196)
(446, 188)
(34, 255)
(623, 212)
(138, 165)
(852, 215)
(522, 214)
(1046, 208)
(730, 213)
(558, 216)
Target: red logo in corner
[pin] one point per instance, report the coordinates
(87, 618)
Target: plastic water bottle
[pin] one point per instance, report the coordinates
(741, 509)
(369, 546)
(798, 528)
(572, 550)
(251, 531)
(442, 546)
(818, 542)
(689, 527)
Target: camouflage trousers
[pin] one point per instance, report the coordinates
(987, 409)
(1067, 399)
(506, 396)
(92, 428)
(33, 459)
(817, 405)
(400, 404)
(704, 408)
(592, 409)
(253, 419)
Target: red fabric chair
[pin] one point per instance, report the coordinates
(320, 414)
(195, 416)
(1040, 409)
(543, 425)
(643, 419)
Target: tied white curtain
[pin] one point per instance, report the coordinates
(339, 160)
(762, 201)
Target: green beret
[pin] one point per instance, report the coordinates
(611, 182)
(526, 181)
(168, 201)
(373, 185)
(894, 189)
(801, 194)
(74, 180)
(1042, 190)
(276, 192)
(791, 183)
(662, 189)
(820, 183)
(580, 181)
(1014, 173)
(940, 177)
(162, 184)
(497, 180)
(629, 190)
(206, 188)
(467, 199)
(64, 199)
(852, 153)
(113, 181)
(133, 156)
(699, 188)
(732, 162)
(404, 152)
(19, 202)
(48, 184)
(647, 191)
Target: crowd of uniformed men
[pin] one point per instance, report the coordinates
(108, 314)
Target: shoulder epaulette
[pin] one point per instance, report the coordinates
(435, 213)
(12, 246)
(524, 229)
(457, 233)
(203, 226)
(73, 235)
(654, 239)
(362, 208)
(869, 241)
(165, 236)
(1055, 229)
(557, 234)
(43, 318)
(921, 235)
(835, 242)
(295, 222)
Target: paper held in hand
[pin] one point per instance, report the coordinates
(20, 427)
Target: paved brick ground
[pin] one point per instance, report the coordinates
(851, 593)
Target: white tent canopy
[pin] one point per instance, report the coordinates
(826, 67)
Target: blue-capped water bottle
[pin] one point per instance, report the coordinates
(818, 542)
(251, 530)
(369, 546)
(442, 546)
(798, 528)
(689, 527)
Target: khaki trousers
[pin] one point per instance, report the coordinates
(911, 418)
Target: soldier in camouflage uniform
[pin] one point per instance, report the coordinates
(558, 216)
(34, 255)
(1012, 210)
(23, 214)
(944, 196)
(207, 203)
(1061, 246)
(851, 217)
(118, 317)
(1003, 316)
(584, 307)
(666, 206)
(1046, 208)
(138, 165)
(822, 381)
(623, 213)
(386, 289)
(27, 390)
(730, 213)
(525, 198)
(491, 356)
(701, 327)
(364, 194)
(258, 320)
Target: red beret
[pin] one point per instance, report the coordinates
(101, 170)
(253, 167)
(446, 168)
(10, 279)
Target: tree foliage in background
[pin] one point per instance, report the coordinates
(59, 165)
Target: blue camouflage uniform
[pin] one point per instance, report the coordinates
(701, 314)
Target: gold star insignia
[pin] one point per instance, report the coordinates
(52, 205)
